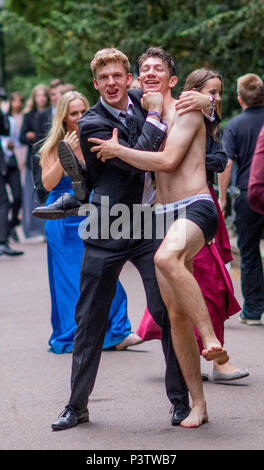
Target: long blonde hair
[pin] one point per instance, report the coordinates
(31, 102)
(58, 129)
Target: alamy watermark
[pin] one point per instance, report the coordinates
(141, 221)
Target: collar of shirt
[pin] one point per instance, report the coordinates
(210, 118)
(116, 112)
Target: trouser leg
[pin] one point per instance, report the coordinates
(99, 274)
(4, 207)
(249, 226)
(13, 179)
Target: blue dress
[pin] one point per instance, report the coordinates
(65, 250)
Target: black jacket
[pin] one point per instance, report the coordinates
(4, 130)
(119, 181)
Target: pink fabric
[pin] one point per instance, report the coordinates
(217, 289)
(256, 176)
(221, 237)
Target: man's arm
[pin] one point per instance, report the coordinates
(150, 139)
(216, 156)
(177, 144)
(193, 101)
(223, 183)
(229, 143)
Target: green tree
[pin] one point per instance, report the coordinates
(61, 37)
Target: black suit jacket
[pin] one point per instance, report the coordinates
(30, 123)
(119, 181)
(44, 123)
(4, 130)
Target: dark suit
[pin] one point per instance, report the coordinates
(30, 124)
(103, 259)
(44, 122)
(4, 201)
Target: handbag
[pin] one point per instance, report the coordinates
(39, 190)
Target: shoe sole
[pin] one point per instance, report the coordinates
(19, 253)
(246, 321)
(62, 428)
(59, 214)
(68, 162)
(230, 377)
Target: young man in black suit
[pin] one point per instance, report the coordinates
(5, 249)
(104, 257)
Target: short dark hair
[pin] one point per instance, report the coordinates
(161, 54)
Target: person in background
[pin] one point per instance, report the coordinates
(30, 135)
(56, 89)
(256, 176)
(239, 139)
(16, 105)
(5, 249)
(12, 177)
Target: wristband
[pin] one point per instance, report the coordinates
(154, 113)
(212, 101)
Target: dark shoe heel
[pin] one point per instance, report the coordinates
(78, 190)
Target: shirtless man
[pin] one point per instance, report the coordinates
(180, 177)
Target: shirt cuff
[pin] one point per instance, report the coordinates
(157, 123)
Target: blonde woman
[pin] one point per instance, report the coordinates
(64, 246)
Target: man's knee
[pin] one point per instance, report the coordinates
(168, 261)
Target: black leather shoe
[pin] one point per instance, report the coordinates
(70, 418)
(179, 411)
(72, 166)
(66, 205)
(7, 250)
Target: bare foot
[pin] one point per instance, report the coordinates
(131, 340)
(215, 352)
(198, 416)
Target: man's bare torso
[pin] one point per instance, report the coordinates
(189, 177)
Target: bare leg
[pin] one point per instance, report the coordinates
(171, 259)
(186, 307)
(187, 352)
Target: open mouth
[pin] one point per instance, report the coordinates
(151, 83)
(112, 93)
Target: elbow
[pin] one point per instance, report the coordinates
(168, 167)
(46, 185)
(165, 165)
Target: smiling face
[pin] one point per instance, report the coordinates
(75, 111)
(214, 88)
(154, 76)
(112, 81)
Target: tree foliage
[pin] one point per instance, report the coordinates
(61, 37)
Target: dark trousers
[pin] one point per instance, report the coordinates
(4, 208)
(12, 179)
(100, 270)
(249, 227)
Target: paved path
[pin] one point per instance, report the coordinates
(128, 408)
